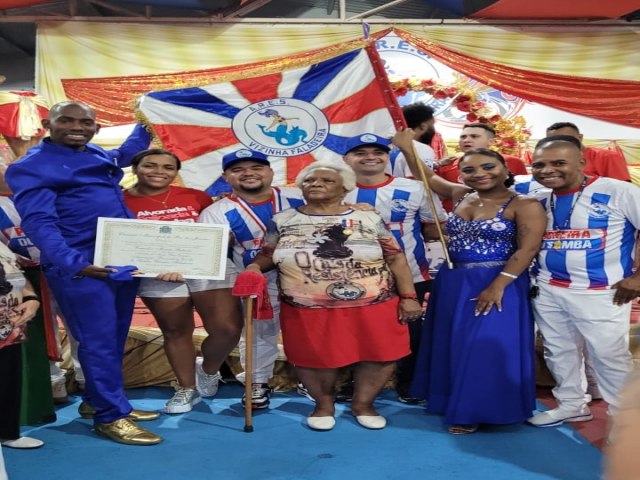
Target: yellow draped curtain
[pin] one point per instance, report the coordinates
(582, 52)
(86, 50)
(89, 50)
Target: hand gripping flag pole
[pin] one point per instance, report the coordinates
(400, 122)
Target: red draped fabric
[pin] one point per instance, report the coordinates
(7, 4)
(616, 101)
(113, 98)
(544, 9)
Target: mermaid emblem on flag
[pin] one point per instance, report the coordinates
(292, 127)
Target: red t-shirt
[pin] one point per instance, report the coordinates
(450, 172)
(602, 162)
(178, 203)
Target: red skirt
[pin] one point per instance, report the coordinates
(335, 337)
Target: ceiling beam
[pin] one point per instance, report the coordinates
(588, 25)
(373, 11)
(115, 8)
(249, 7)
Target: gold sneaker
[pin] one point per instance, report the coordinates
(125, 430)
(86, 410)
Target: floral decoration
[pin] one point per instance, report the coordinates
(511, 133)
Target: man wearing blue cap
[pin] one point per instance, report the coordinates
(403, 205)
(248, 210)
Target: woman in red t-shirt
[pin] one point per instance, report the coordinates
(171, 298)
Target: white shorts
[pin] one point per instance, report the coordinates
(152, 288)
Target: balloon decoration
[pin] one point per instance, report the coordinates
(511, 133)
(21, 115)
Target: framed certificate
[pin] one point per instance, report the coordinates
(196, 250)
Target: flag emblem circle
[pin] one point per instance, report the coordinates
(281, 127)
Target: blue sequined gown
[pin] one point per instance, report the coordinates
(477, 369)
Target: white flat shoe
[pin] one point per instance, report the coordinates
(23, 442)
(321, 423)
(373, 422)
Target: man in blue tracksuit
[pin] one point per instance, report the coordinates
(60, 188)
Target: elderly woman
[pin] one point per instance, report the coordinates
(346, 293)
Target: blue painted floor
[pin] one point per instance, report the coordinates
(209, 443)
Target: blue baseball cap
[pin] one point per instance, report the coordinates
(243, 155)
(366, 139)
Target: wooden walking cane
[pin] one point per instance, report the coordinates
(248, 364)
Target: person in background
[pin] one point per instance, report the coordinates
(585, 277)
(18, 304)
(248, 210)
(402, 204)
(473, 135)
(172, 299)
(419, 118)
(3, 470)
(61, 187)
(37, 397)
(621, 458)
(476, 359)
(346, 293)
(599, 162)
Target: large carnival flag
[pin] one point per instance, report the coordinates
(294, 115)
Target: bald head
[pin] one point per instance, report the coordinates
(72, 124)
(56, 110)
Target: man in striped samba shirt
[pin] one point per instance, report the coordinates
(403, 205)
(248, 210)
(584, 276)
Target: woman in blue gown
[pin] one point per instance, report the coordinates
(476, 359)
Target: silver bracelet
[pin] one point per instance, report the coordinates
(510, 275)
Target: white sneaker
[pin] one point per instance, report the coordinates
(206, 384)
(302, 390)
(183, 400)
(260, 396)
(59, 389)
(22, 442)
(559, 415)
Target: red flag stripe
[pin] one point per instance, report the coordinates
(257, 89)
(351, 108)
(189, 141)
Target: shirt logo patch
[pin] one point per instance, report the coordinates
(599, 210)
(589, 239)
(399, 205)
